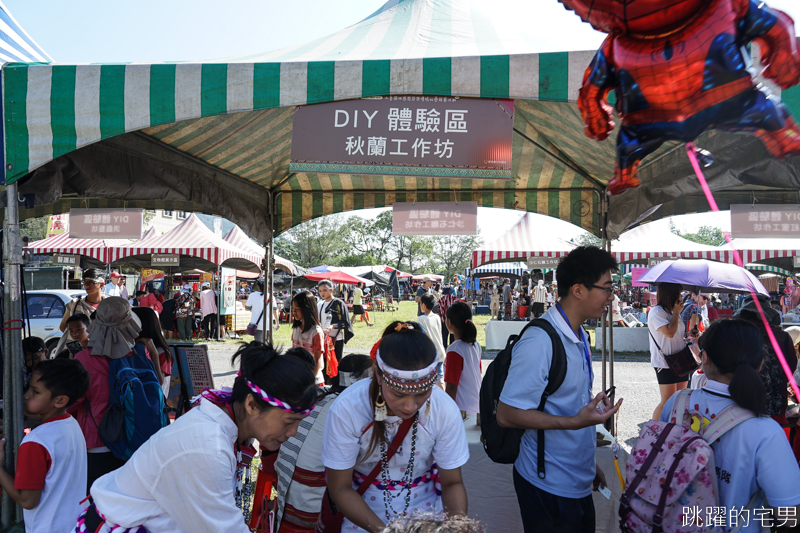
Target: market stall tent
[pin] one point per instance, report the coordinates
(197, 246)
(237, 238)
(656, 240)
(497, 269)
(766, 250)
(755, 267)
(97, 249)
(525, 239)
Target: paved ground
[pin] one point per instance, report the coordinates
(633, 377)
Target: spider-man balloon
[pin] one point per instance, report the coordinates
(679, 68)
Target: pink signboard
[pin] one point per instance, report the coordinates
(765, 220)
(435, 218)
(636, 273)
(426, 136)
(105, 223)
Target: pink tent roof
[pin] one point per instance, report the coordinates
(191, 238)
(521, 241)
(655, 240)
(240, 240)
(64, 244)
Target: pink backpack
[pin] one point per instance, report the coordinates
(671, 469)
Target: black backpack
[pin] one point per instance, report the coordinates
(502, 444)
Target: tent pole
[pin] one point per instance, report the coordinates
(269, 266)
(12, 346)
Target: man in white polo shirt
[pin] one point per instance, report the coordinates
(559, 498)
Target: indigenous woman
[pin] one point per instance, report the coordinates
(425, 472)
(187, 477)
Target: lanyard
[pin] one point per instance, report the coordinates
(586, 352)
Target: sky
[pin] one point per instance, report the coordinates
(103, 31)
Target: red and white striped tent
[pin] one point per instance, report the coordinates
(240, 240)
(757, 250)
(64, 244)
(656, 240)
(197, 245)
(526, 239)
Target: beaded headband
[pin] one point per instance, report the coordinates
(276, 402)
(408, 380)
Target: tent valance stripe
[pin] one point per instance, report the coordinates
(54, 109)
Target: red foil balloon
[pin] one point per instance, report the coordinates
(681, 67)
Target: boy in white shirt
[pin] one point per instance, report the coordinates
(432, 325)
(51, 462)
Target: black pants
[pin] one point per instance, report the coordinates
(100, 464)
(447, 336)
(543, 512)
(338, 347)
(209, 325)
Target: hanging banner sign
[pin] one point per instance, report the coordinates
(57, 225)
(539, 263)
(796, 261)
(160, 260)
(636, 273)
(149, 274)
(426, 136)
(765, 220)
(435, 218)
(66, 260)
(105, 223)
(228, 306)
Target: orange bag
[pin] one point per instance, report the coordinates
(331, 363)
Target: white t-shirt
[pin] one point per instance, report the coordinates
(469, 382)
(754, 455)
(182, 479)
(60, 439)
(432, 325)
(659, 317)
(256, 303)
(441, 439)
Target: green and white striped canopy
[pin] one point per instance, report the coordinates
(757, 267)
(236, 115)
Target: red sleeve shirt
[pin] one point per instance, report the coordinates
(453, 366)
(33, 463)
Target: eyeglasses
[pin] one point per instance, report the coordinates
(89, 283)
(609, 290)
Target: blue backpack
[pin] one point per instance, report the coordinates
(136, 407)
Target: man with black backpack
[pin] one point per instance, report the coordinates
(548, 393)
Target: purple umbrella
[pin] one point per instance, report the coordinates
(704, 276)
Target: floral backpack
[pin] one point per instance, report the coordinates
(670, 476)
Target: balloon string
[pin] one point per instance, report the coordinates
(690, 150)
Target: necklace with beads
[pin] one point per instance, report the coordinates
(404, 485)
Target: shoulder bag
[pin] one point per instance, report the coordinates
(682, 363)
(330, 519)
(252, 328)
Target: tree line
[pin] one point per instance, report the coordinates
(340, 240)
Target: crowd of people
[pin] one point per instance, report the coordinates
(379, 444)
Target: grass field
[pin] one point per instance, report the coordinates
(366, 336)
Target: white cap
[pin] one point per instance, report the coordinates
(206, 284)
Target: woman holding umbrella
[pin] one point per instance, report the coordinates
(666, 337)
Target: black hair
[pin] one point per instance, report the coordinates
(65, 377)
(403, 346)
(95, 273)
(308, 308)
(80, 317)
(460, 316)
(667, 295)
(288, 376)
(151, 329)
(357, 364)
(140, 293)
(735, 346)
(428, 301)
(33, 344)
(584, 265)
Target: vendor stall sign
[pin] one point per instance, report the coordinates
(636, 273)
(66, 260)
(148, 274)
(228, 306)
(426, 136)
(765, 220)
(161, 260)
(539, 263)
(105, 223)
(653, 261)
(796, 261)
(435, 218)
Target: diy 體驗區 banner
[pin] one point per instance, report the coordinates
(435, 218)
(425, 136)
